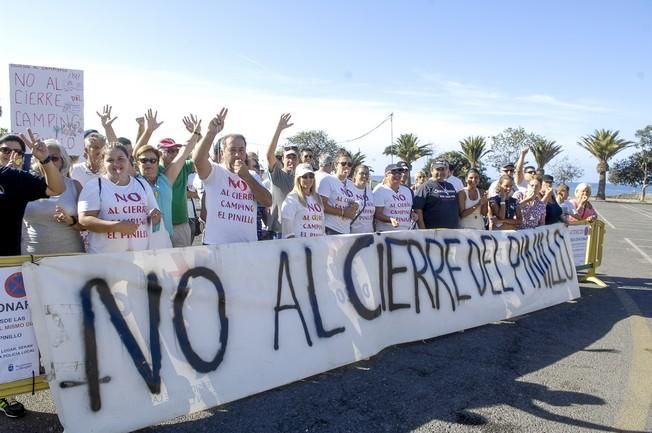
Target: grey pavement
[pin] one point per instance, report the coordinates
(568, 368)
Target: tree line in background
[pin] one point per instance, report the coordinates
(636, 170)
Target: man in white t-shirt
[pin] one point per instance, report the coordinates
(338, 201)
(325, 168)
(88, 169)
(393, 202)
(452, 179)
(231, 192)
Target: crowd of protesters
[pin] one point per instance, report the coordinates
(123, 197)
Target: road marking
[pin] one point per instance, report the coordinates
(637, 398)
(645, 214)
(640, 251)
(601, 215)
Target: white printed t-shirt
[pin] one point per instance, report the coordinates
(339, 196)
(230, 208)
(131, 202)
(308, 220)
(364, 223)
(395, 205)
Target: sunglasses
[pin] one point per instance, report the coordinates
(530, 172)
(345, 164)
(295, 148)
(171, 150)
(396, 172)
(56, 158)
(308, 176)
(7, 150)
(511, 170)
(146, 160)
(307, 156)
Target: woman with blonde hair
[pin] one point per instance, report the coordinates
(302, 213)
(51, 224)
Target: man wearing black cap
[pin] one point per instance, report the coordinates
(393, 202)
(507, 169)
(282, 176)
(436, 200)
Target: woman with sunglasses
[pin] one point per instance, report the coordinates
(302, 214)
(363, 222)
(51, 224)
(117, 208)
(339, 206)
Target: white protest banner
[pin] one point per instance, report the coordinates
(578, 236)
(18, 351)
(133, 339)
(50, 101)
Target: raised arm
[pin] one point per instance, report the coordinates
(194, 127)
(519, 175)
(283, 123)
(200, 153)
(152, 125)
(53, 177)
(107, 123)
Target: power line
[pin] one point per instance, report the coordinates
(369, 132)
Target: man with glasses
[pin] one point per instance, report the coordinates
(337, 198)
(308, 157)
(17, 188)
(393, 202)
(436, 200)
(507, 169)
(89, 169)
(282, 176)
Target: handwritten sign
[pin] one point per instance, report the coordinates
(172, 332)
(18, 351)
(50, 101)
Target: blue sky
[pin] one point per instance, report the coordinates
(446, 69)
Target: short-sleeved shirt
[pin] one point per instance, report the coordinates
(438, 201)
(456, 182)
(17, 188)
(179, 194)
(164, 197)
(82, 174)
(395, 204)
(510, 206)
(364, 223)
(308, 221)
(131, 202)
(553, 211)
(340, 196)
(282, 184)
(230, 208)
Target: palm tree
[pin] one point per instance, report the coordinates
(544, 151)
(357, 158)
(407, 149)
(604, 145)
(473, 149)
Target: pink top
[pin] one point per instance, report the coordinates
(586, 212)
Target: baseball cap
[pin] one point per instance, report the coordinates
(402, 165)
(391, 167)
(508, 165)
(549, 179)
(440, 163)
(290, 151)
(167, 143)
(89, 132)
(303, 169)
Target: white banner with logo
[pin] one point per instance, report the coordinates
(18, 351)
(49, 101)
(176, 331)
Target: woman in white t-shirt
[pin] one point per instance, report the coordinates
(302, 214)
(116, 208)
(363, 222)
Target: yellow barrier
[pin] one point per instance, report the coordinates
(594, 251)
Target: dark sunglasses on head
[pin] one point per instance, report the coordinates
(346, 164)
(7, 150)
(308, 176)
(146, 160)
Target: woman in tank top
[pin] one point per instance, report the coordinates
(51, 224)
(472, 203)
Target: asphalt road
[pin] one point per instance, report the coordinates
(582, 366)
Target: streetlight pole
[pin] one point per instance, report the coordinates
(391, 137)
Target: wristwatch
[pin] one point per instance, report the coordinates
(46, 160)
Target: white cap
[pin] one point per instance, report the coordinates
(303, 169)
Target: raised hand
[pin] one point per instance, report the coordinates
(140, 121)
(284, 121)
(152, 123)
(191, 124)
(36, 146)
(525, 150)
(105, 116)
(217, 123)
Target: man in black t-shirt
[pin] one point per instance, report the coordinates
(436, 200)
